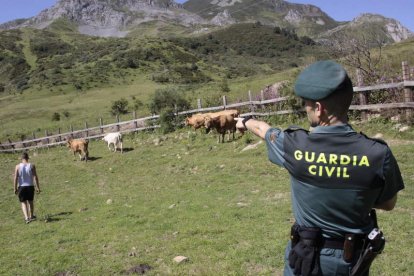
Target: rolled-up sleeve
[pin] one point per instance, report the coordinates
(274, 142)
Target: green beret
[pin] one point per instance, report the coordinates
(319, 80)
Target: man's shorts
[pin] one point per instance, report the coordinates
(26, 193)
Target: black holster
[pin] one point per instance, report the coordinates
(304, 255)
(368, 254)
(374, 245)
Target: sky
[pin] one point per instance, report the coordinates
(345, 10)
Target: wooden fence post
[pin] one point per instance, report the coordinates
(250, 102)
(11, 142)
(100, 124)
(71, 131)
(22, 139)
(199, 104)
(262, 98)
(407, 90)
(47, 138)
(224, 101)
(134, 114)
(117, 120)
(86, 129)
(59, 137)
(363, 98)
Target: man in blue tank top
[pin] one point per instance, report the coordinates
(337, 175)
(24, 176)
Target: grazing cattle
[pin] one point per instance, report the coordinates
(115, 139)
(197, 120)
(231, 112)
(79, 146)
(222, 124)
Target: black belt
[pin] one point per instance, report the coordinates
(339, 243)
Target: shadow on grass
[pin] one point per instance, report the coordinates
(93, 158)
(56, 217)
(127, 149)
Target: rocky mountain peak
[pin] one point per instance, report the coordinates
(119, 17)
(110, 17)
(223, 18)
(394, 29)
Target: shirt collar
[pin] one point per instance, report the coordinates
(344, 128)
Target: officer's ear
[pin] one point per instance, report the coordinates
(319, 109)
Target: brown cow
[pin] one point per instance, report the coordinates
(222, 124)
(197, 120)
(232, 112)
(79, 146)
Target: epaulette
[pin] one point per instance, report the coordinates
(294, 128)
(374, 139)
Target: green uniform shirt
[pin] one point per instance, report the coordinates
(337, 176)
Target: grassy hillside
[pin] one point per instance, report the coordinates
(60, 59)
(31, 113)
(248, 49)
(228, 211)
(81, 76)
(59, 71)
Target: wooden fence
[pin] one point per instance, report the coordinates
(253, 106)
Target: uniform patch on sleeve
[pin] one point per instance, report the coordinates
(273, 137)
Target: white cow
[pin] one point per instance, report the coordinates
(114, 138)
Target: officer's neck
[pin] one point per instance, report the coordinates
(332, 121)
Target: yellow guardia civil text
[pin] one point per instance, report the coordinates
(330, 164)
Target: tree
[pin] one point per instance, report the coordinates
(119, 107)
(357, 50)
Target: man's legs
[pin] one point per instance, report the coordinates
(31, 209)
(25, 207)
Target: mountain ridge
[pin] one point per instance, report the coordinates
(118, 18)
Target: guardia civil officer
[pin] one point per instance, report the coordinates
(25, 176)
(337, 175)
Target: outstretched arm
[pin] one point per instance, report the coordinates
(259, 128)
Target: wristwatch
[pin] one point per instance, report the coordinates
(245, 119)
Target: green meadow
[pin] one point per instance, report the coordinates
(180, 194)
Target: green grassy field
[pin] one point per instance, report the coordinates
(228, 211)
(29, 112)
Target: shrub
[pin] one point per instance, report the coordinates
(224, 86)
(161, 77)
(247, 138)
(167, 120)
(137, 104)
(168, 98)
(56, 117)
(119, 107)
